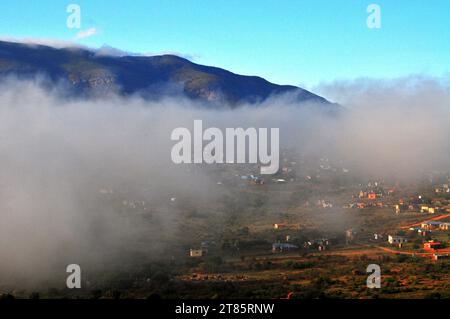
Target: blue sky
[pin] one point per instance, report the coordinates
(300, 42)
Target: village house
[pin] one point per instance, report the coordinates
(280, 247)
(377, 236)
(424, 209)
(423, 232)
(429, 210)
(430, 225)
(349, 235)
(432, 245)
(392, 239)
(258, 181)
(286, 169)
(196, 252)
(324, 204)
(443, 189)
(279, 226)
(444, 226)
(420, 231)
(371, 196)
(319, 244)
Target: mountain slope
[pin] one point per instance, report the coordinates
(90, 73)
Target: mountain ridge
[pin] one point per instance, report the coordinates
(89, 73)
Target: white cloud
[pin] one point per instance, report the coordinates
(54, 43)
(83, 34)
(104, 50)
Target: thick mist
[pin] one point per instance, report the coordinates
(70, 166)
(398, 127)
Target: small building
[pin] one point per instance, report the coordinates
(324, 204)
(432, 245)
(196, 252)
(427, 209)
(424, 209)
(444, 226)
(321, 243)
(392, 239)
(349, 235)
(258, 181)
(377, 236)
(280, 247)
(431, 225)
(286, 169)
(423, 232)
(372, 196)
(443, 189)
(279, 226)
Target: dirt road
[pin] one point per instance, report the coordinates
(426, 220)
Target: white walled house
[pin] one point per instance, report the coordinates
(397, 239)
